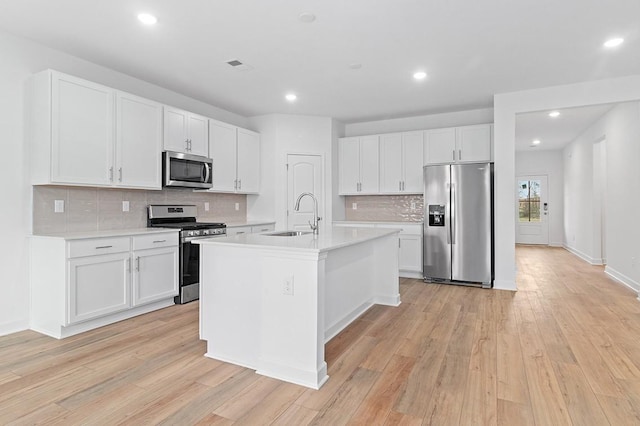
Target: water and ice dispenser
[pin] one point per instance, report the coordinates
(436, 214)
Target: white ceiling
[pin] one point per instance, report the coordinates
(555, 133)
(470, 49)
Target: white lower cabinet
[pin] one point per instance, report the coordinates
(250, 229)
(409, 244)
(81, 284)
(98, 285)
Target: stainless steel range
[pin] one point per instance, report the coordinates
(183, 217)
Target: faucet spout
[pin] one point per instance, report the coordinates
(316, 218)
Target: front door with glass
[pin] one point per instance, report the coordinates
(532, 210)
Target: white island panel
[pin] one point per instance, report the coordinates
(247, 317)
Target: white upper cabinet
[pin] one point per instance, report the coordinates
(236, 158)
(474, 143)
(468, 144)
(83, 133)
(359, 165)
(248, 161)
(185, 132)
(138, 142)
(401, 162)
(80, 116)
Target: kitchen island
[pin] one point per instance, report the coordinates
(270, 303)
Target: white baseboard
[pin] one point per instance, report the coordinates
(622, 279)
(583, 256)
(556, 245)
(13, 327)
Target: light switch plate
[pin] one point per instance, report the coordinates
(58, 206)
(237, 206)
(206, 206)
(125, 206)
(354, 206)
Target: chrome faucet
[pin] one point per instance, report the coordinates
(316, 218)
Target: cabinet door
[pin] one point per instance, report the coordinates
(474, 143)
(138, 142)
(369, 165)
(248, 161)
(198, 135)
(82, 132)
(410, 253)
(175, 130)
(155, 275)
(349, 165)
(412, 161)
(222, 146)
(440, 146)
(98, 285)
(391, 163)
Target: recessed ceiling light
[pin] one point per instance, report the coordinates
(307, 17)
(614, 42)
(291, 97)
(554, 114)
(355, 66)
(420, 75)
(535, 142)
(147, 18)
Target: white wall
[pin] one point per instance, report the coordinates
(506, 106)
(421, 122)
(290, 134)
(20, 59)
(620, 130)
(547, 163)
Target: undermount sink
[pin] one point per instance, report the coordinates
(287, 233)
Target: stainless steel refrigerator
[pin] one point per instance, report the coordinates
(458, 224)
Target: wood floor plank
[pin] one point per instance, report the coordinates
(561, 350)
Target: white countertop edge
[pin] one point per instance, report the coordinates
(354, 222)
(266, 242)
(250, 223)
(81, 235)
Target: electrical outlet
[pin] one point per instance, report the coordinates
(125, 206)
(237, 206)
(287, 285)
(413, 205)
(58, 206)
(206, 206)
(354, 206)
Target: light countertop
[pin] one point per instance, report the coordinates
(328, 239)
(105, 234)
(250, 223)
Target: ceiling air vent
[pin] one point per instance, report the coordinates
(238, 65)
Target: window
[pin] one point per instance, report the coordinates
(529, 200)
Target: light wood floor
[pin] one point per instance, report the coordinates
(564, 349)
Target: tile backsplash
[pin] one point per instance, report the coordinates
(98, 209)
(394, 208)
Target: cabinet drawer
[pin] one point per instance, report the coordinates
(141, 242)
(263, 228)
(92, 247)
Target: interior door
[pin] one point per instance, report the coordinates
(532, 210)
(304, 174)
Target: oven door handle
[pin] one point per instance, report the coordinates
(189, 239)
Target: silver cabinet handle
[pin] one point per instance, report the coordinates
(235, 184)
(459, 154)
(159, 241)
(137, 263)
(240, 232)
(399, 185)
(120, 174)
(110, 174)
(103, 247)
(239, 184)
(454, 154)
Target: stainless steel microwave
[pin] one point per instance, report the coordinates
(186, 170)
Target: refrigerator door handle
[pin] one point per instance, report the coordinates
(452, 222)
